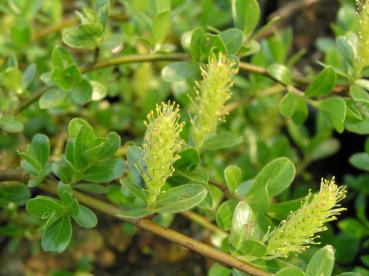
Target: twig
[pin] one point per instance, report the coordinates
(66, 23)
(292, 7)
(171, 235)
(203, 222)
(225, 191)
(12, 175)
(139, 58)
(31, 100)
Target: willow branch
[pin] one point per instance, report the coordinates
(140, 58)
(171, 235)
(203, 222)
(166, 233)
(12, 175)
(128, 59)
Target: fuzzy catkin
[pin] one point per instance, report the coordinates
(161, 144)
(299, 230)
(363, 33)
(212, 92)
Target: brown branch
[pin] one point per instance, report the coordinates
(12, 175)
(166, 233)
(139, 58)
(203, 222)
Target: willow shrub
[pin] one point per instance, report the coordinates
(225, 135)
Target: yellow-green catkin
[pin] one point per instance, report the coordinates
(299, 230)
(212, 92)
(363, 33)
(161, 143)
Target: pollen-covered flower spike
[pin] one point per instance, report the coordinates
(161, 144)
(363, 33)
(212, 92)
(299, 230)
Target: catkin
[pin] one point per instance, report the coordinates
(299, 230)
(212, 92)
(161, 144)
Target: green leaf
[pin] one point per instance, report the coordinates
(54, 97)
(102, 11)
(85, 217)
(10, 124)
(360, 161)
(358, 93)
(189, 160)
(180, 71)
(243, 223)
(253, 248)
(290, 271)
(160, 27)
(322, 84)
(34, 160)
(280, 73)
(232, 176)
(276, 176)
(133, 189)
(288, 104)
(135, 157)
(66, 78)
(249, 48)
(109, 146)
(60, 57)
(211, 44)
(82, 92)
(41, 147)
(91, 188)
(30, 163)
(41, 205)
(69, 201)
(197, 36)
(322, 262)
(334, 109)
(224, 214)
(18, 194)
(281, 210)
(222, 140)
(354, 228)
(180, 198)
(219, 270)
(273, 179)
(79, 38)
(29, 76)
(301, 111)
(347, 49)
(162, 5)
(12, 80)
(105, 171)
(64, 170)
(57, 236)
(325, 149)
(99, 91)
(136, 213)
(246, 15)
(233, 39)
(85, 140)
(75, 125)
(198, 175)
